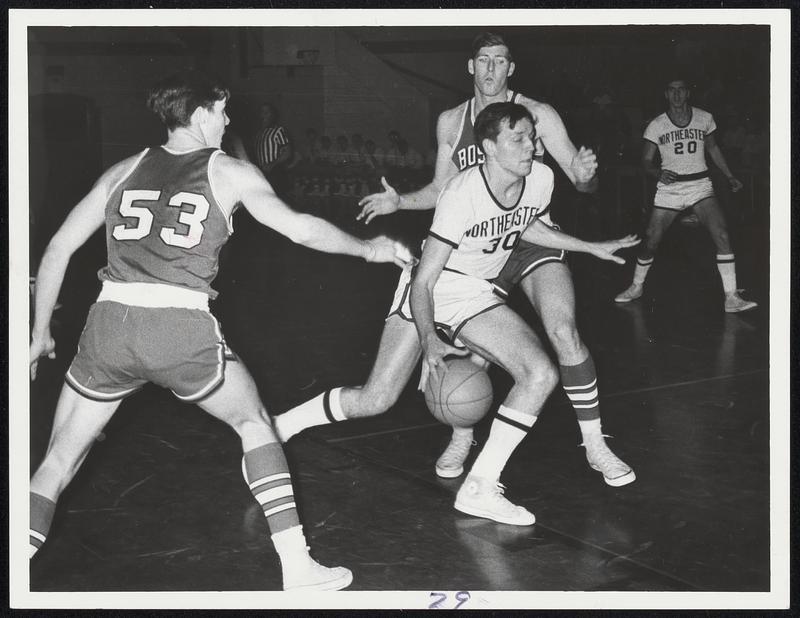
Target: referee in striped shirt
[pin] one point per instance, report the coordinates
(272, 149)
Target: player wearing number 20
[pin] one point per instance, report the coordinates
(682, 136)
(167, 214)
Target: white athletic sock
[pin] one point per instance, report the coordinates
(590, 428)
(640, 272)
(508, 429)
(726, 265)
(323, 409)
(291, 546)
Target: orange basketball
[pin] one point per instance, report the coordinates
(462, 396)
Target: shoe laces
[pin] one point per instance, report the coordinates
(458, 448)
(602, 456)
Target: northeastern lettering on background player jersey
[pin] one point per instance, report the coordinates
(159, 230)
(482, 231)
(682, 149)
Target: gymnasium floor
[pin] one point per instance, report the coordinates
(160, 505)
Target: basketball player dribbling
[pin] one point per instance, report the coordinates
(167, 213)
(541, 272)
(481, 215)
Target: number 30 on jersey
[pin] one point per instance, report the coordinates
(131, 207)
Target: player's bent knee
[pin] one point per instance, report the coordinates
(537, 377)
(376, 401)
(565, 337)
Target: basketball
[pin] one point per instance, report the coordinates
(462, 396)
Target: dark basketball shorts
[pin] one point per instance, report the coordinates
(123, 347)
(524, 259)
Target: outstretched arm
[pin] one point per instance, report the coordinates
(580, 165)
(241, 182)
(545, 236)
(84, 219)
(434, 257)
(390, 201)
(713, 150)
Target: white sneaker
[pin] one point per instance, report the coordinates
(311, 575)
(483, 498)
(632, 293)
(735, 303)
(451, 463)
(615, 471)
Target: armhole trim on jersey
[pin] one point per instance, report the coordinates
(460, 128)
(228, 216)
(446, 241)
(129, 172)
(647, 139)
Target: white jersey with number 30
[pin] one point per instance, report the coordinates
(480, 229)
(682, 149)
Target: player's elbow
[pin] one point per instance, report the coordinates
(305, 231)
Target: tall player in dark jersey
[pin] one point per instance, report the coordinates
(542, 273)
(167, 212)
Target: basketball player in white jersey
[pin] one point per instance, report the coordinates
(167, 212)
(541, 272)
(481, 215)
(682, 136)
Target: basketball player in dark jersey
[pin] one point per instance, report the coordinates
(542, 273)
(167, 212)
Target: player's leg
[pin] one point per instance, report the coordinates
(237, 403)
(660, 220)
(550, 290)
(711, 216)
(78, 421)
(504, 338)
(398, 353)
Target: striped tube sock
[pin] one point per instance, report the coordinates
(642, 266)
(580, 383)
(508, 429)
(267, 474)
(726, 264)
(323, 409)
(41, 515)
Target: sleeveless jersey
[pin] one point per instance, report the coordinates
(164, 224)
(466, 151)
(480, 229)
(682, 149)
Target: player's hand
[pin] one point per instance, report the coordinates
(379, 203)
(382, 249)
(606, 249)
(735, 184)
(667, 177)
(41, 346)
(584, 165)
(434, 351)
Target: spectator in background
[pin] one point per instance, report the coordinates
(325, 153)
(373, 156)
(341, 154)
(356, 152)
(311, 146)
(273, 150)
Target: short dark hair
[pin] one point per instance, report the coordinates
(489, 122)
(489, 39)
(677, 74)
(174, 98)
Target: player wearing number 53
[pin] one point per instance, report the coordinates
(480, 216)
(682, 136)
(167, 213)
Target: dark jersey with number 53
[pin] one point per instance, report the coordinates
(163, 222)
